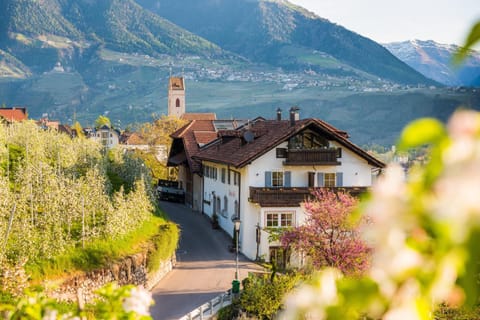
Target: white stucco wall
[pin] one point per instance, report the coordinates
(218, 189)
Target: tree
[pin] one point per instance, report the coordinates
(329, 236)
(158, 132)
(102, 121)
(78, 129)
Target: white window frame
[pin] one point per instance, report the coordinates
(327, 180)
(274, 172)
(280, 219)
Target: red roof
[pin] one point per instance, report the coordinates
(199, 116)
(14, 114)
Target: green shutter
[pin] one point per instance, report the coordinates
(320, 180)
(339, 179)
(288, 179)
(268, 179)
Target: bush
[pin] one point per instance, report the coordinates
(164, 245)
(262, 295)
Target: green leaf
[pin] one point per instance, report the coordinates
(472, 38)
(421, 132)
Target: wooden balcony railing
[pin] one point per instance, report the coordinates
(291, 197)
(313, 156)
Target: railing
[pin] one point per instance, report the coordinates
(313, 156)
(291, 197)
(209, 309)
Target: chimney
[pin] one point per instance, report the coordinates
(279, 114)
(294, 115)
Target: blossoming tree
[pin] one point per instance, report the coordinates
(329, 236)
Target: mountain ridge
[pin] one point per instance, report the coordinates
(268, 31)
(434, 60)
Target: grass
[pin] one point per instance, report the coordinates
(156, 234)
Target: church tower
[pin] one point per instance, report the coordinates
(176, 96)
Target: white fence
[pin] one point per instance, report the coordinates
(209, 309)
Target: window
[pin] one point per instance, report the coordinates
(277, 178)
(177, 103)
(279, 219)
(219, 208)
(225, 205)
(329, 180)
(237, 209)
(236, 178)
(223, 175)
(272, 219)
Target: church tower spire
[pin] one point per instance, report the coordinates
(176, 96)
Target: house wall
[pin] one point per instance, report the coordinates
(215, 189)
(197, 193)
(356, 172)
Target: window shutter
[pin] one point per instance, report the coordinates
(288, 179)
(320, 179)
(339, 179)
(268, 179)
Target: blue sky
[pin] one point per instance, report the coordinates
(444, 21)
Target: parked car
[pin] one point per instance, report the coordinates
(169, 191)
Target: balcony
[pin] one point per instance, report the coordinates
(291, 197)
(313, 156)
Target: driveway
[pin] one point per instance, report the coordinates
(205, 267)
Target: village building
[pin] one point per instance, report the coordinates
(14, 114)
(105, 135)
(261, 170)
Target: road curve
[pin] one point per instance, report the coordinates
(205, 267)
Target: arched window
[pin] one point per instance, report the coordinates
(219, 208)
(177, 103)
(237, 209)
(225, 204)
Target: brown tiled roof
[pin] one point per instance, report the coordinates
(199, 116)
(132, 138)
(186, 138)
(176, 83)
(204, 137)
(14, 114)
(234, 150)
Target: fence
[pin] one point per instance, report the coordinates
(209, 309)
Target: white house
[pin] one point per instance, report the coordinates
(107, 136)
(261, 171)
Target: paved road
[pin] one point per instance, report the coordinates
(205, 268)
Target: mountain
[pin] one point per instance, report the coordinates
(77, 59)
(41, 33)
(434, 60)
(282, 34)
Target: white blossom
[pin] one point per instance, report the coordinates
(139, 301)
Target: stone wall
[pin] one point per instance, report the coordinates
(131, 270)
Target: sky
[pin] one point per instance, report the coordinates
(444, 21)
